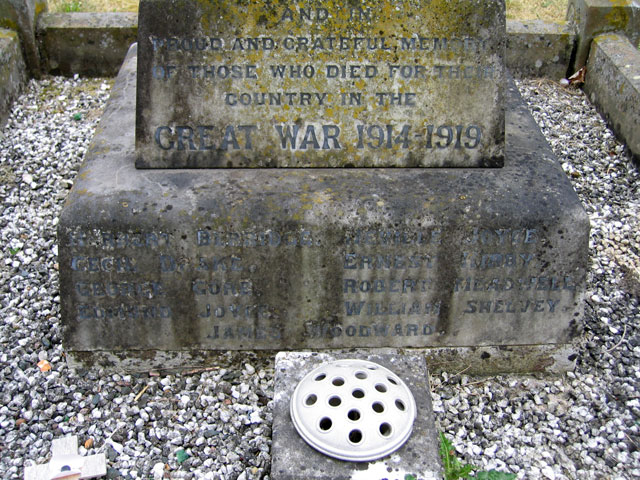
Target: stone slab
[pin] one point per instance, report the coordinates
(87, 44)
(13, 72)
(270, 84)
(174, 260)
(293, 459)
(537, 49)
(613, 86)
(595, 17)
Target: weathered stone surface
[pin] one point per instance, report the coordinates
(317, 84)
(483, 360)
(613, 86)
(13, 73)
(88, 44)
(22, 16)
(319, 258)
(293, 459)
(539, 49)
(595, 17)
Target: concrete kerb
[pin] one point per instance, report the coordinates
(22, 16)
(13, 72)
(595, 17)
(88, 44)
(613, 86)
(538, 49)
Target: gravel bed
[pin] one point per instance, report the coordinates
(215, 423)
(585, 425)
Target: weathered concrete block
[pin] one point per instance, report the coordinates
(262, 84)
(539, 49)
(22, 16)
(89, 44)
(318, 258)
(13, 73)
(293, 459)
(595, 17)
(613, 86)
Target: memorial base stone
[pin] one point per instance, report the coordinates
(293, 459)
(155, 263)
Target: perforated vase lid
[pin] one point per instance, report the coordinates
(353, 410)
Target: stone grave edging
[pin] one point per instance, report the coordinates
(613, 86)
(13, 71)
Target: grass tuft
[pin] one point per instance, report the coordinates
(455, 470)
(72, 6)
(93, 6)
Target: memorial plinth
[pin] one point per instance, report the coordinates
(381, 83)
(168, 261)
(200, 260)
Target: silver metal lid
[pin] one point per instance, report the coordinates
(353, 410)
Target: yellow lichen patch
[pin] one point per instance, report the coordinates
(7, 33)
(41, 6)
(321, 197)
(618, 17)
(621, 3)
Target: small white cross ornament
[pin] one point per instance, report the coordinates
(66, 464)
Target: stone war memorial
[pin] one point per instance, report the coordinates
(320, 175)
